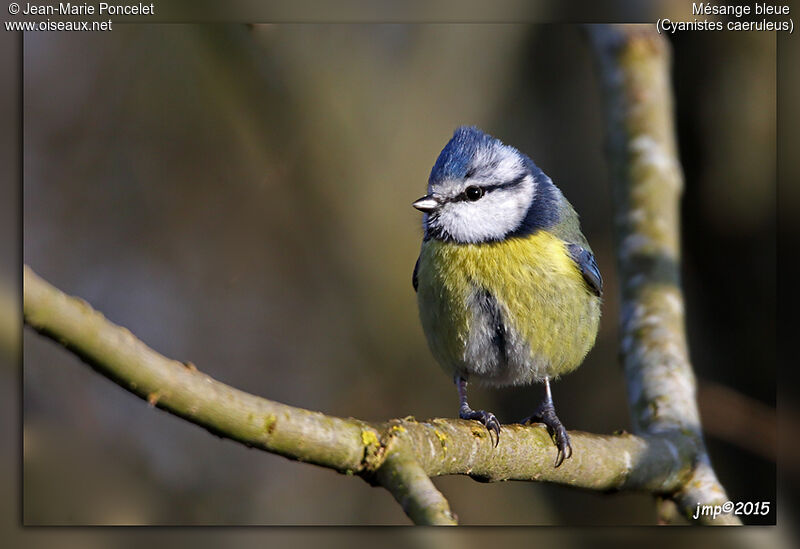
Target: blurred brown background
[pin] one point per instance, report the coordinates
(239, 197)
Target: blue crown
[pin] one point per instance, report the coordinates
(453, 161)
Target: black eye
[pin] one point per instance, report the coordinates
(473, 193)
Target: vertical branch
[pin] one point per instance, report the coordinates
(647, 180)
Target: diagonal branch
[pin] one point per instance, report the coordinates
(667, 456)
(393, 454)
(634, 64)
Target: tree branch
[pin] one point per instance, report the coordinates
(392, 454)
(666, 457)
(634, 63)
(413, 489)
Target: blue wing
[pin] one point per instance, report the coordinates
(588, 267)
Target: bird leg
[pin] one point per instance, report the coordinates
(546, 413)
(465, 412)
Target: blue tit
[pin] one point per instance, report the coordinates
(507, 286)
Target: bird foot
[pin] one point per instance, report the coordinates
(546, 413)
(487, 418)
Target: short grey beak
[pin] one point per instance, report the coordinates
(426, 204)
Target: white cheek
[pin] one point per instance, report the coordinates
(491, 218)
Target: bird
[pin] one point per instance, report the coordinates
(508, 289)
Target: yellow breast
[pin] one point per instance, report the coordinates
(545, 304)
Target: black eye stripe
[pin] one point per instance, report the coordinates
(489, 188)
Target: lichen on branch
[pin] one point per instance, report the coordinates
(392, 454)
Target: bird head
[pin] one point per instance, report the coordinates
(481, 190)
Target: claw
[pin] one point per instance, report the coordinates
(488, 419)
(546, 414)
(465, 412)
(562, 443)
